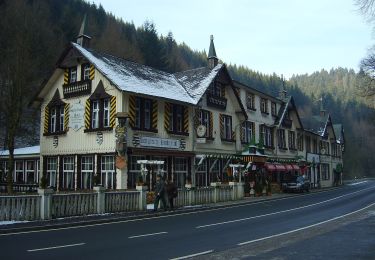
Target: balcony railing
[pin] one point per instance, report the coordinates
(215, 101)
(75, 89)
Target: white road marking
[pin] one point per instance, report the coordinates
(188, 256)
(274, 213)
(356, 183)
(156, 217)
(303, 228)
(55, 247)
(147, 235)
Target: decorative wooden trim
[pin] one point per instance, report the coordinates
(76, 89)
(112, 114)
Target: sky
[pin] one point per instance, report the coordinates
(270, 36)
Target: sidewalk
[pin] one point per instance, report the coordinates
(117, 217)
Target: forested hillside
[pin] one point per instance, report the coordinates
(42, 29)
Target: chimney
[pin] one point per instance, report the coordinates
(82, 38)
(212, 58)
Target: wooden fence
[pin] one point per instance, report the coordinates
(48, 204)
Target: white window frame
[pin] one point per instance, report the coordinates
(86, 71)
(30, 171)
(204, 119)
(87, 172)
(147, 113)
(73, 75)
(53, 119)
(61, 118)
(227, 122)
(248, 129)
(68, 172)
(52, 171)
(95, 114)
(250, 100)
(180, 170)
(20, 171)
(108, 171)
(106, 109)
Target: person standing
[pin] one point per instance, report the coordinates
(160, 193)
(171, 192)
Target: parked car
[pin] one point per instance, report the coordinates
(296, 184)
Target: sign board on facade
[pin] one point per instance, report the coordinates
(76, 116)
(201, 140)
(201, 130)
(156, 142)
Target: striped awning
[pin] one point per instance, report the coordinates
(254, 158)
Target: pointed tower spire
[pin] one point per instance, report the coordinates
(322, 110)
(82, 38)
(212, 58)
(283, 93)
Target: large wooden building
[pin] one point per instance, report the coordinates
(124, 122)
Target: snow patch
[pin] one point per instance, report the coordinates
(11, 222)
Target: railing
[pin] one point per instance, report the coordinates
(66, 205)
(19, 208)
(19, 187)
(51, 205)
(121, 201)
(79, 88)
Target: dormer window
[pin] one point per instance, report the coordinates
(56, 119)
(85, 71)
(73, 75)
(100, 110)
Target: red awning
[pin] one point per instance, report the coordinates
(304, 169)
(280, 168)
(270, 167)
(295, 167)
(289, 167)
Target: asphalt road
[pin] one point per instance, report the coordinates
(268, 229)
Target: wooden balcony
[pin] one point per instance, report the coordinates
(75, 89)
(216, 101)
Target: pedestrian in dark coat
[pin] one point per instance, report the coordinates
(160, 193)
(172, 193)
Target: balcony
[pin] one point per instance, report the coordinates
(216, 101)
(75, 89)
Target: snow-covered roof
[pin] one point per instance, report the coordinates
(196, 81)
(32, 150)
(137, 78)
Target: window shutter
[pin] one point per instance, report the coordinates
(167, 114)
(233, 135)
(186, 119)
(154, 122)
(46, 119)
(112, 113)
(211, 125)
(221, 126)
(92, 72)
(66, 116)
(132, 111)
(66, 76)
(88, 114)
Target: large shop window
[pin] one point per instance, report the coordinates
(201, 177)
(325, 171)
(100, 110)
(51, 171)
(135, 175)
(180, 171)
(226, 128)
(281, 139)
(205, 118)
(56, 116)
(87, 172)
(176, 119)
(68, 173)
(108, 172)
(247, 132)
